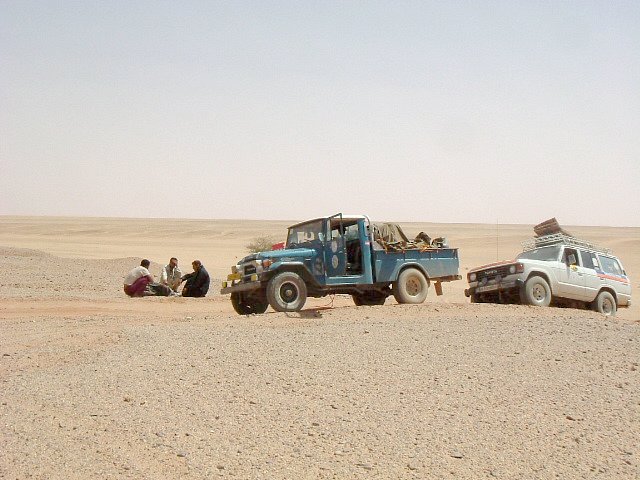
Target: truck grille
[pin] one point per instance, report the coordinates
(249, 269)
(490, 273)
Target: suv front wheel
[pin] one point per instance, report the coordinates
(536, 291)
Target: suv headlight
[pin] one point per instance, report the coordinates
(267, 262)
(512, 269)
(472, 277)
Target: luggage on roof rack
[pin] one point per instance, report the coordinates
(549, 227)
(561, 239)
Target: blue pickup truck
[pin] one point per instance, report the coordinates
(339, 255)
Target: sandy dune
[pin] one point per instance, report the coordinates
(97, 385)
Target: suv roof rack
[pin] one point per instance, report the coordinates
(561, 239)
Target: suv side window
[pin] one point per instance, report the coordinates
(588, 260)
(570, 256)
(610, 265)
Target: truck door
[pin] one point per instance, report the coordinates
(335, 256)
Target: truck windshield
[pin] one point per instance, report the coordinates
(307, 233)
(545, 254)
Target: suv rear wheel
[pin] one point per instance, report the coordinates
(605, 304)
(536, 292)
(287, 292)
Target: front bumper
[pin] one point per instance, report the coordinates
(241, 287)
(493, 286)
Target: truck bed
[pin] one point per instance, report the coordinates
(439, 263)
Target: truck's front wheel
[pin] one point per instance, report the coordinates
(248, 305)
(411, 286)
(287, 292)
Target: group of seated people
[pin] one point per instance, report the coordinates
(139, 282)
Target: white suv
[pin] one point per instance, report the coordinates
(554, 268)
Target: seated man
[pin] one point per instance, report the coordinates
(197, 282)
(137, 280)
(171, 276)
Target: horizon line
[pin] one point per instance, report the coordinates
(106, 217)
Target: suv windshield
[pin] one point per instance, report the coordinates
(545, 254)
(307, 233)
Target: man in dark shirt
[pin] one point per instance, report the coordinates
(197, 282)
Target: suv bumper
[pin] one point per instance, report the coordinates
(494, 286)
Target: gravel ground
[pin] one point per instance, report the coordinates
(97, 387)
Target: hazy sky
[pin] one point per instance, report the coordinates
(409, 111)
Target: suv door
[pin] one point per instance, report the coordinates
(592, 282)
(570, 277)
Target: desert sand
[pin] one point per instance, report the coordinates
(97, 385)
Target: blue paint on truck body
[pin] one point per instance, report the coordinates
(337, 254)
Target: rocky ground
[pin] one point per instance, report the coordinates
(97, 385)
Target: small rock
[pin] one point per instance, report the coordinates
(457, 455)
(366, 466)
(315, 424)
(412, 466)
(569, 417)
(220, 467)
(182, 454)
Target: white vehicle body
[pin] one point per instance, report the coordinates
(574, 271)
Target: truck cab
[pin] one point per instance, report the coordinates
(336, 254)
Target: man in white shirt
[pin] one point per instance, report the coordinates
(137, 279)
(171, 275)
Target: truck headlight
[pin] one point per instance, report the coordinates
(472, 277)
(267, 262)
(512, 269)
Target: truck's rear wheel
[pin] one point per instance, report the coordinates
(287, 292)
(248, 305)
(411, 286)
(369, 298)
(605, 304)
(536, 291)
